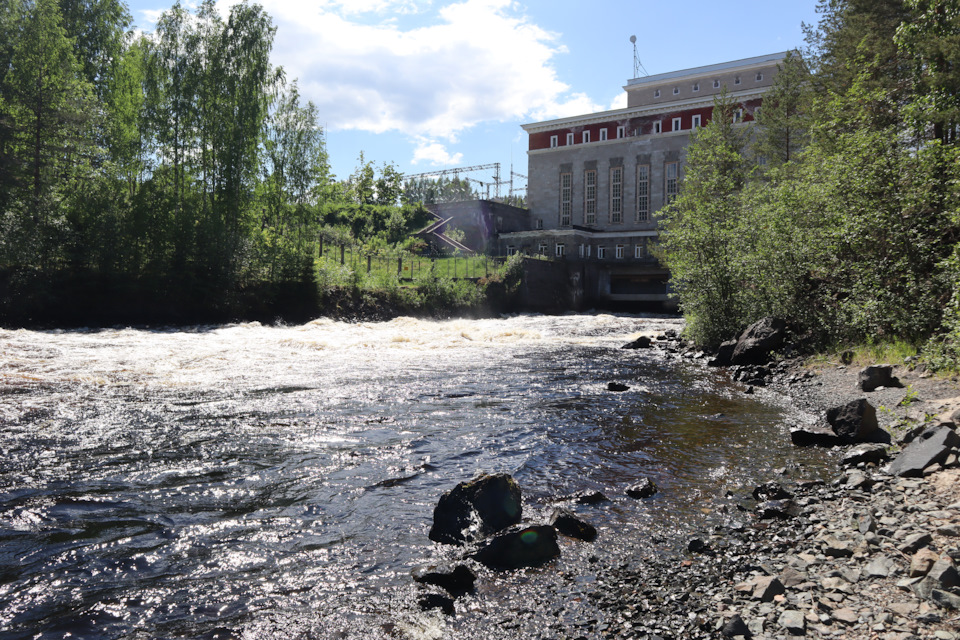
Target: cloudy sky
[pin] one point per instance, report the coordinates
(432, 84)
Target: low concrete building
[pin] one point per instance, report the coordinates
(597, 181)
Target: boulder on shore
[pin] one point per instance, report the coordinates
(855, 422)
(519, 547)
(931, 447)
(573, 527)
(455, 579)
(876, 376)
(476, 509)
(724, 357)
(643, 489)
(761, 338)
(643, 342)
(814, 436)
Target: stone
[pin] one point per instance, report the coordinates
(475, 509)
(914, 542)
(437, 601)
(756, 343)
(932, 446)
(837, 548)
(814, 436)
(617, 387)
(771, 491)
(777, 509)
(573, 527)
(735, 626)
(877, 375)
(793, 622)
(724, 357)
(855, 421)
(845, 615)
(765, 588)
(586, 497)
(791, 578)
(858, 480)
(643, 342)
(866, 524)
(866, 454)
(456, 579)
(879, 567)
(922, 561)
(519, 547)
(696, 545)
(646, 488)
(945, 599)
(944, 572)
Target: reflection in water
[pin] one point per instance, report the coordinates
(273, 481)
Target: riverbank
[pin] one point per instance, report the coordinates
(846, 560)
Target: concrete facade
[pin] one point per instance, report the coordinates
(597, 181)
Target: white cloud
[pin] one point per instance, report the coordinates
(368, 65)
(435, 153)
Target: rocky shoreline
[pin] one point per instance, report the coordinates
(866, 555)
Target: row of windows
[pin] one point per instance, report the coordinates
(671, 174)
(585, 250)
(676, 124)
(716, 85)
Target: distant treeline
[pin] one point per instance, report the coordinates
(840, 211)
(179, 171)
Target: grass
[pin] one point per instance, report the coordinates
(893, 352)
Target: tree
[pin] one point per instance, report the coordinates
(784, 118)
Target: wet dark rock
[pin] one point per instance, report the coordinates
(724, 357)
(519, 547)
(931, 447)
(471, 510)
(573, 527)
(755, 344)
(814, 436)
(437, 601)
(643, 489)
(697, 545)
(854, 422)
(586, 497)
(643, 342)
(455, 579)
(771, 491)
(777, 509)
(866, 454)
(617, 386)
(878, 375)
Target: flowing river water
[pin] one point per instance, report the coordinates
(251, 481)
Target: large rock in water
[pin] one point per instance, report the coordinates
(931, 447)
(760, 338)
(476, 509)
(854, 422)
(518, 548)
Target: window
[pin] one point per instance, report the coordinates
(716, 84)
(695, 122)
(736, 80)
(588, 250)
(511, 250)
(638, 251)
(696, 86)
(603, 134)
(561, 250)
(643, 193)
(586, 137)
(566, 198)
(616, 195)
(676, 91)
(539, 223)
(554, 142)
(601, 253)
(670, 174)
(737, 115)
(621, 132)
(569, 138)
(676, 124)
(619, 252)
(590, 197)
(580, 250)
(760, 76)
(656, 94)
(541, 249)
(756, 113)
(656, 126)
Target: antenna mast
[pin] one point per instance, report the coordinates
(637, 65)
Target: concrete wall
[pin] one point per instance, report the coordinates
(481, 220)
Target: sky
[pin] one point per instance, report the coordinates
(436, 84)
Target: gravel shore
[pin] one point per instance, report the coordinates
(862, 556)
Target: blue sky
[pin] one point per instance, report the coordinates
(433, 84)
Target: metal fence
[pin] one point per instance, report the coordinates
(409, 266)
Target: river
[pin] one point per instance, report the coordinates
(251, 481)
